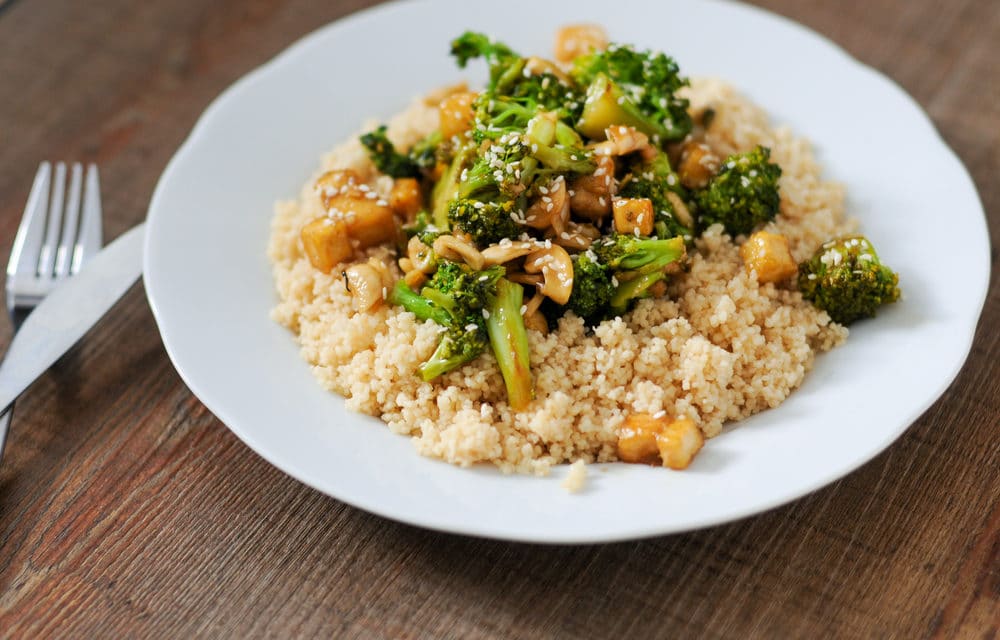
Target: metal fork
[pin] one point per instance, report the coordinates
(60, 230)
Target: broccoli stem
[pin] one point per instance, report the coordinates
(447, 187)
(403, 296)
(631, 289)
(509, 340)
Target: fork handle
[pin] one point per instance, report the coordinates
(5, 425)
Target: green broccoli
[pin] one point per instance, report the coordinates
(592, 288)
(635, 88)
(456, 298)
(638, 264)
(625, 252)
(653, 180)
(486, 222)
(457, 347)
(385, 157)
(513, 78)
(426, 153)
(846, 279)
(403, 296)
(743, 195)
(423, 227)
(509, 339)
(633, 289)
(471, 45)
(526, 144)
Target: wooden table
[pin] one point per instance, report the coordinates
(127, 509)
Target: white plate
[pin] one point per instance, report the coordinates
(210, 287)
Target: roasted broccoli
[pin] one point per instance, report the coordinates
(509, 339)
(487, 222)
(635, 88)
(743, 195)
(592, 288)
(385, 157)
(654, 180)
(456, 298)
(846, 279)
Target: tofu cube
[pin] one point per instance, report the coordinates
(633, 215)
(768, 255)
(678, 442)
(456, 113)
(406, 198)
(326, 243)
(637, 439)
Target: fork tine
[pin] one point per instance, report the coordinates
(25, 253)
(53, 225)
(71, 216)
(90, 238)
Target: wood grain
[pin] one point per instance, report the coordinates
(128, 510)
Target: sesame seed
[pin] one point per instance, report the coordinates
(486, 314)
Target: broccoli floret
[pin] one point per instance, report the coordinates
(486, 222)
(427, 153)
(625, 252)
(509, 339)
(743, 195)
(513, 78)
(653, 180)
(385, 157)
(592, 288)
(519, 150)
(471, 45)
(455, 297)
(527, 143)
(457, 346)
(846, 279)
(630, 87)
(638, 264)
(423, 227)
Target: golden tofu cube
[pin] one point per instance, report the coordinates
(406, 198)
(326, 243)
(697, 166)
(768, 255)
(637, 439)
(633, 215)
(575, 40)
(335, 183)
(369, 221)
(456, 113)
(678, 443)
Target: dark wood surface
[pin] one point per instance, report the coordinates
(127, 509)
